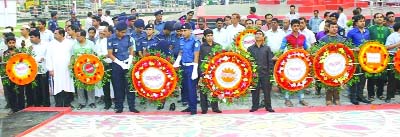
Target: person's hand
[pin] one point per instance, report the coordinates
(51, 73)
(195, 75)
(177, 62)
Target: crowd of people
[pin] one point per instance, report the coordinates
(124, 36)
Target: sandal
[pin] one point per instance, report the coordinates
(288, 103)
(381, 97)
(328, 103)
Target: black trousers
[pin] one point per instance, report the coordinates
(392, 84)
(379, 83)
(16, 96)
(356, 90)
(28, 90)
(41, 95)
(106, 89)
(63, 99)
(265, 85)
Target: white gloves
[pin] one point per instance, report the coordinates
(107, 60)
(194, 72)
(177, 61)
(120, 63)
(130, 61)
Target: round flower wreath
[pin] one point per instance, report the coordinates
(333, 64)
(88, 69)
(373, 57)
(21, 68)
(396, 61)
(154, 77)
(292, 69)
(228, 74)
(245, 39)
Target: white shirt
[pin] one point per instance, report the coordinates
(46, 36)
(88, 23)
(322, 26)
(58, 57)
(274, 39)
(109, 20)
(393, 39)
(220, 36)
(101, 47)
(231, 33)
(27, 42)
(342, 20)
(310, 36)
(40, 53)
(293, 16)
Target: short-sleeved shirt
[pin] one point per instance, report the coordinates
(75, 22)
(379, 33)
(159, 26)
(357, 37)
(188, 47)
(137, 36)
(145, 43)
(87, 48)
(329, 39)
(176, 46)
(393, 39)
(120, 47)
(53, 25)
(299, 42)
(263, 56)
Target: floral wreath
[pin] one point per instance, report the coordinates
(154, 77)
(373, 58)
(245, 39)
(298, 61)
(228, 74)
(88, 71)
(333, 64)
(396, 64)
(21, 68)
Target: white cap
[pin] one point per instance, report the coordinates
(243, 18)
(6, 30)
(26, 26)
(101, 28)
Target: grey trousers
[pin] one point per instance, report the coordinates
(82, 99)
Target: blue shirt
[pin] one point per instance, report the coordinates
(357, 37)
(188, 47)
(169, 38)
(163, 48)
(130, 30)
(121, 46)
(52, 25)
(137, 36)
(193, 24)
(314, 24)
(75, 22)
(145, 43)
(159, 26)
(176, 45)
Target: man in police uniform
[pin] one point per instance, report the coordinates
(138, 33)
(121, 49)
(149, 41)
(168, 31)
(131, 27)
(158, 22)
(53, 25)
(189, 19)
(189, 55)
(74, 21)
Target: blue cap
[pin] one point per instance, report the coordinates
(177, 26)
(163, 45)
(186, 26)
(132, 18)
(182, 17)
(336, 15)
(72, 12)
(121, 18)
(149, 26)
(122, 14)
(121, 26)
(139, 23)
(169, 25)
(160, 12)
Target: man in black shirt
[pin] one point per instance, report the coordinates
(205, 49)
(263, 56)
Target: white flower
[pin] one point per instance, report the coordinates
(225, 58)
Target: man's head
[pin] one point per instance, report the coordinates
(34, 36)
(133, 11)
(340, 9)
(149, 28)
(260, 35)
(25, 29)
(249, 23)
(259, 23)
(359, 21)
(326, 27)
(108, 31)
(220, 23)
(356, 12)
(252, 10)
(158, 15)
(334, 17)
(274, 24)
(189, 15)
(53, 15)
(131, 20)
(396, 27)
(390, 16)
(186, 30)
(201, 21)
(378, 18)
(108, 12)
(41, 24)
(208, 35)
(100, 12)
(359, 9)
(295, 24)
(92, 32)
(139, 25)
(59, 34)
(286, 23)
(292, 8)
(268, 17)
(303, 23)
(235, 18)
(178, 30)
(71, 30)
(228, 20)
(333, 28)
(169, 27)
(121, 29)
(73, 14)
(10, 42)
(316, 12)
(81, 36)
(96, 21)
(326, 15)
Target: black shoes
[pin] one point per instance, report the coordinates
(160, 106)
(186, 110)
(364, 101)
(269, 110)
(172, 107)
(118, 111)
(387, 100)
(217, 111)
(253, 110)
(80, 106)
(134, 110)
(107, 107)
(193, 113)
(92, 105)
(204, 112)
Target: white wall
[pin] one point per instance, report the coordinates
(8, 16)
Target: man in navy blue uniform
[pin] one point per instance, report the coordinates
(149, 41)
(189, 19)
(189, 55)
(138, 33)
(121, 50)
(74, 21)
(159, 22)
(53, 25)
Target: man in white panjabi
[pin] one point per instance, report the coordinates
(233, 29)
(58, 58)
